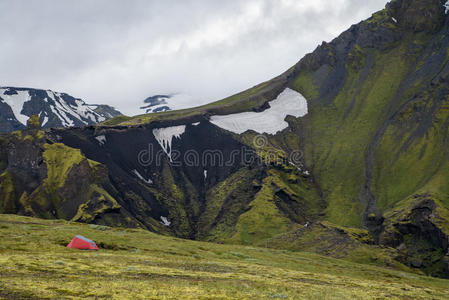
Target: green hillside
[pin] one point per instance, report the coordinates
(137, 264)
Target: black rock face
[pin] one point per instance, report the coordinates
(201, 157)
(416, 234)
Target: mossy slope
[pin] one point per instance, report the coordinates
(134, 263)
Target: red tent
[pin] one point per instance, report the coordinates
(80, 242)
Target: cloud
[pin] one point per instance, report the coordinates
(120, 52)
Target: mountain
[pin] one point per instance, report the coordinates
(54, 109)
(156, 103)
(161, 103)
(345, 154)
(106, 111)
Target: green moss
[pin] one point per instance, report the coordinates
(356, 58)
(60, 159)
(400, 175)
(173, 198)
(224, 204)
(116, 120)
(304, 84)
(17, 134)
(263, 220)
(40, 134)
(96, 206)
(34, 123)
(169, 182)
(28, 137)
(302, 190)
(25, 203)
(35, 262)
(413, 159)
(7, 194)
(338, 134)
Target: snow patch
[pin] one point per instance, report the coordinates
(394, 20)
(271, 120)
(16, 103)
(149, 181)
(101, 139)
(446, 6)
(196, 124)
(66, 122)
(44, 121)
(294, 165)
(164, 137)
(80, 111)
(50, 95)
(205, 174)
(165, 221)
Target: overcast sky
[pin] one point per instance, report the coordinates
(120, 52)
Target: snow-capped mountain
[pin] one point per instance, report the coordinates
(165, 102)
(54, 109)
(105, 111)
(157, 103)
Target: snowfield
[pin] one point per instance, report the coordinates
(271, 120)
(16, 103)
(164, 137)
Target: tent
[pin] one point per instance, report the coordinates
(80, 242)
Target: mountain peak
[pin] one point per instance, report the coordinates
(419, 15)
(53, 109)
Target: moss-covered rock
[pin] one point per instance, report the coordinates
(7, 194)
(418, 228)
(34, 123)
(55, 181)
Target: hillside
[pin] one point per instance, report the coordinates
(137, 264)
(54, 109)
(345, 155)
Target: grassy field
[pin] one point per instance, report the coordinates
(136, 264)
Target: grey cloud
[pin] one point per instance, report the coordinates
(120, 52)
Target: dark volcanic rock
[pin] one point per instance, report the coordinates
(416, 232)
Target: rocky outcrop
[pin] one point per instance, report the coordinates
(417, 234)
(418, 15)
(45, 179)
